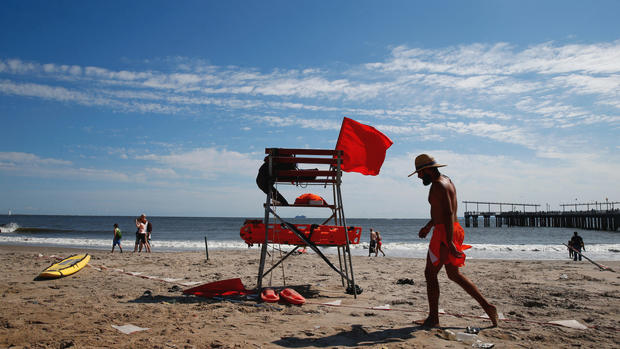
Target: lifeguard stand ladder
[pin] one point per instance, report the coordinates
(331, 177)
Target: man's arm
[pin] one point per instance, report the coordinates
(426, 229)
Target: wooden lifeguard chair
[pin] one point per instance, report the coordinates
(322, 177)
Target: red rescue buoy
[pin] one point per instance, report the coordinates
(269, 295)
(291, 296)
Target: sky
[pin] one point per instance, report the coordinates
(162, 107)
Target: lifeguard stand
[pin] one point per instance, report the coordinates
(326, 177)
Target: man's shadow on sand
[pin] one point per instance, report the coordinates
(356, 336)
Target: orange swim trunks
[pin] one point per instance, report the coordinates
(439, 238)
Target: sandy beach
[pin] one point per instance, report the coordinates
(80, 310)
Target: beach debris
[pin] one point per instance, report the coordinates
(447, 335)
(472, 330)
(467, 338)
(570, 323)
(129, 328)
(382, 307)
(563, 277)
(358, 290)
(189, 283)
(336, 302)
(175, 288)
(483, 345)
(500, 316)
(147, 294)
(405, 281)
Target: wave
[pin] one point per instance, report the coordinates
(9, 227)
(410, 250)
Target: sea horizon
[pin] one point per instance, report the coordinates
(400, 236)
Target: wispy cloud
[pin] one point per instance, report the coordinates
(32, 165)
(207, 163)
(497, 91)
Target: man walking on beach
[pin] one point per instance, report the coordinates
(446, 245)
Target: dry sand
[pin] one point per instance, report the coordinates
(79, 310)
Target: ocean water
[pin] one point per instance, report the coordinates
(400, 236)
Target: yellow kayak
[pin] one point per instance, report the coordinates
(66, 267)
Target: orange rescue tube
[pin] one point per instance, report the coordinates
(253, 232)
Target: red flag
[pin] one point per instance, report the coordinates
(364, 147)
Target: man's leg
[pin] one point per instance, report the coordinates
(455, 275)
(432, 292)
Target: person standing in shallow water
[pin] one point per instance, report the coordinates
(577, 244)
(373, 242)
(446, 245)
(379, 243)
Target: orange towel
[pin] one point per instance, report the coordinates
(439, 237)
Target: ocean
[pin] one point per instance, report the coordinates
(399, 236)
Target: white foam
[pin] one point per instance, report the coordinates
(9, 227)
(597, 252)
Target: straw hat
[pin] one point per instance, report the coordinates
(423, 161)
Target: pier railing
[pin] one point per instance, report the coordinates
(601, 219)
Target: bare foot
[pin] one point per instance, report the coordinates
(428, 322)
(492, 313)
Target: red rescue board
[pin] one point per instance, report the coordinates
(253, 232)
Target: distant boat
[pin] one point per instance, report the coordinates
(300, 217)
(9, 212)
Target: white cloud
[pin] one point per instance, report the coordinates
(32, 165)
(289, 121)
(19, 158)
(208, 163)
(505, 87)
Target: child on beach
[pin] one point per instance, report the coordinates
(118, 235)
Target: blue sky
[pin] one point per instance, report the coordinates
(166, 107)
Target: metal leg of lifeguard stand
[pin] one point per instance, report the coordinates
(340, 264)
(348, 250)
(263, 251)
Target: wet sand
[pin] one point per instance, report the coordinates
(79, 310)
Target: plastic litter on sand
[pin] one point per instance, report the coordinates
(570, 323)
(129, 328)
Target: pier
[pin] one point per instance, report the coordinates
(596, 216)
